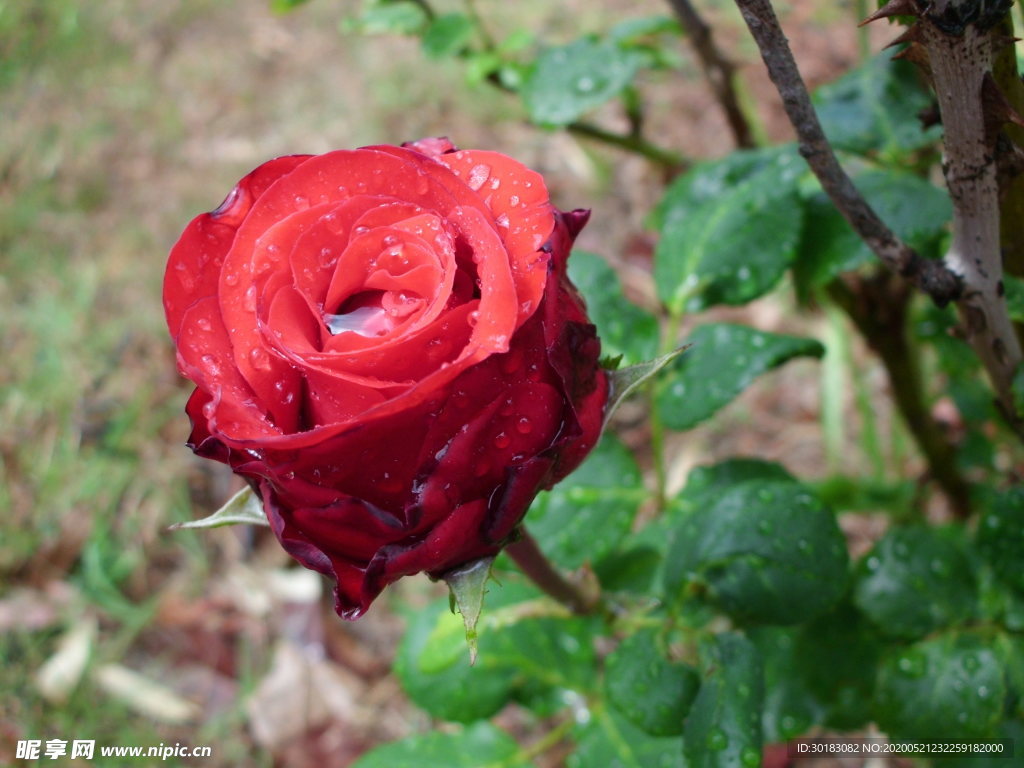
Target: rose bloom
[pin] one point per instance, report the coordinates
(385, 344)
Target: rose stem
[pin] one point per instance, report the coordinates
(538, 568)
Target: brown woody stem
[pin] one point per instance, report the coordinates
(718, 70)
(538, 568)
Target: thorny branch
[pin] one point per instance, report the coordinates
(718, 70)
(931, 277)
(971, 274)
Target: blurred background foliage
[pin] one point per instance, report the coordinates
(121, 120)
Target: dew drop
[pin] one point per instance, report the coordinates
(501, 440)
(204, 324)
(585, 84)
(477, 176)
(211, 364)
(514, 201)
(327, 258)
(502, 220)
(473, 318)
(524, 426)
(259, 358)
(717, 740)
(388, 240)
(249, 300)
(231, 279)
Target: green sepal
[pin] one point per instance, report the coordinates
(467, 586)
(245, 507)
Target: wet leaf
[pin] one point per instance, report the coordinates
(762, 552)
(568, 81)
(447, 34)
(875, 108)
(608, 740)
(624, 328)
(723, 729)
(915, 580)
(724, 360)
(451, 689)
(791, 707)
(650, 691)
(480, 745)
(585, 517)
(729, 229)
(1000, 536)
(951, 686)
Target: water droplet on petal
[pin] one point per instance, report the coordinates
(501, 440)
(473, 318)
(204, 324)
(259, 358)
(477, 176)
(524, 426)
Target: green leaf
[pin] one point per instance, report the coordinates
(283, 6)
(447, 34)
(608, 740)
(650, 691)
(705, 483)
(725, 359)
(837, 652)
(1000, 536)
(585, 516)
(915, 580)
(950, 687)
(455, 691)
(389, 17)
(480, 745)
(624, 328)
(875, 108)
(914, 208)
(723, 728)
(570, 80)
(763, 552)
(791, 707)
(729, 229)
(467, 584)
(630, 570)
(242, 508)
(635, 29)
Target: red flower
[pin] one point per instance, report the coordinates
(385, 344)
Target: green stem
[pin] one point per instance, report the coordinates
(542, 745)
(528, 556)
(671, 161)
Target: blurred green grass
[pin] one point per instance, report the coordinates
(120, 121)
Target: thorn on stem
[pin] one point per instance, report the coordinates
(893, 8)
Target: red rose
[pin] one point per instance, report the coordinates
(385, 344)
